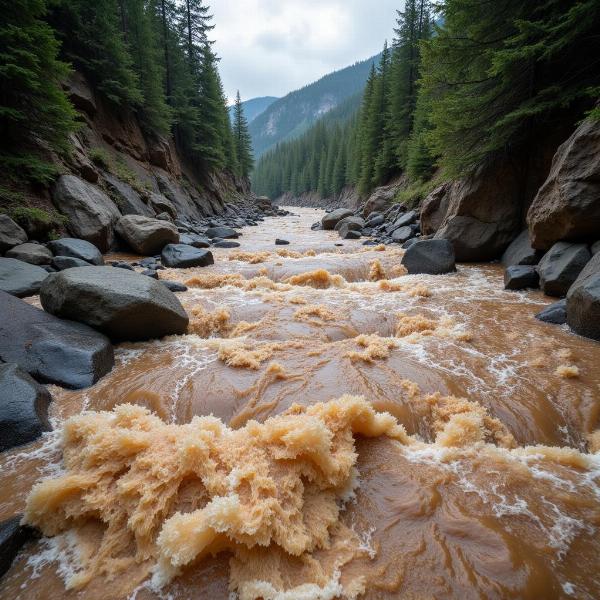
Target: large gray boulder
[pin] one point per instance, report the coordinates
(520, 252)
(555, 313)
(12, 538)
(408, 218)
(10, 234)
(23, 407)
(20, 278)
(583, 301)
(561, 266)
(126, 198)
(122, 304)
(434, 208)
(161, 204)
(403, 234)
(520, 277)
(349, 224)
(92, 214)
(433, 257)
(567, 206)
(221, 232)
(330, 220)
(49, 349)
(483, 213)
(180, 256)
(77, 249)
(145, 235)
(34, 254)
(60, 263)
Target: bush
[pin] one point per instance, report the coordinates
(28, 168)
(101, 158)
(416, 192)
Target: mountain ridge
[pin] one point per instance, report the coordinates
(254, 107)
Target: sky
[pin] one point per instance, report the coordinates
(272, 47)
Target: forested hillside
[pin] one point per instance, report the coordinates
(292, 115)
(254, 107)
(462, 83)
(150, 59)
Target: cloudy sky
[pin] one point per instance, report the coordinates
(272, 47)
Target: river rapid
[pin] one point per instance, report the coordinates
(484, 484)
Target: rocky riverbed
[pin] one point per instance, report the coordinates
(328, 425)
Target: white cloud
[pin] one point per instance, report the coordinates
(272, 47)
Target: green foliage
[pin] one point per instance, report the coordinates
(417, 190)
(27, 214)
(118, 167)
(242, 141)
(100, 157)
(28, 168)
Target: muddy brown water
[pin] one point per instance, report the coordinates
(493, 496)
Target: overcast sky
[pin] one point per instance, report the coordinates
(272, 47)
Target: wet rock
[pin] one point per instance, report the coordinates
(126, 198)
(77, 249)
(60, 263)
(23, 407)
(92, 214)
(370, 243)
(164, 216)
(161, 206)
(583, 301)
(180, 256)
(20, 278)
(330, 220)
(351, 235)
(280, 242)
(561, 266)
(148, 262)
(10, 234)
(403, 234)
(146, 235)
(316, 227)
(520, 277)
(50, 349)
(555, 313)
(595, 248)
(409, 243)
(153, 273)
(122, 304)
(345, 226)
(13, 536)
(433, 257)
(34, 254)
(226, 244)
(123, 265)
(221, 232)
(193, 239)
(434, 208)
(380, 199)
(406, 219)
(174, 286)
(520, 252)
(567, 206)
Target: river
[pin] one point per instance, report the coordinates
(493, 491)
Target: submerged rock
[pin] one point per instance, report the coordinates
(51, 349)
(520, 277)
(11, 234)
(561, 266)
(180, 256)
(23, 407)
(13, 536)
(221, 232)
(433, 257)
(330, 220)
(583, 301)
(76, 249)
(34, 254)
(280, 242)
(555, 313)
(20, 278)
(174, 286)
(122, 304)
(146, 235)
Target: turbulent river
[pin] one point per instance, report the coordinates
(481, 480)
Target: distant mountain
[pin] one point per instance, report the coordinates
(255, 107)
(292, 115)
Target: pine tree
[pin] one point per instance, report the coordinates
(33, 106)
(242, 140)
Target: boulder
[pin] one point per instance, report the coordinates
(52, 350)
(330, 220)
(407, 218)
(126, 198)
(484, 213)
(145, 235)
(375, 220)
(520, 252)
(561, 266)
(92, 214)
(567, 206)
(23, 407)
(174, 286)
(402, 234)
(34, 254)
(226, 244)
(434, 208)
(20, 278)
(180, 256)
(122, 304)
(11, 234)
(595, 248)
(279, 242)
(13, 536)
(77, 249)
(193, 239)
(164, 216)
(433, 257)
(583, 301)
(351, 235)
(80, 93)
(520, 277)
(555, 313)
(380, 199)
(409, 243)
(221, 232)
(60, 263)
(348, 224)
(160, 204)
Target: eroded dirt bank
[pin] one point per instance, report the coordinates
(480, 482)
